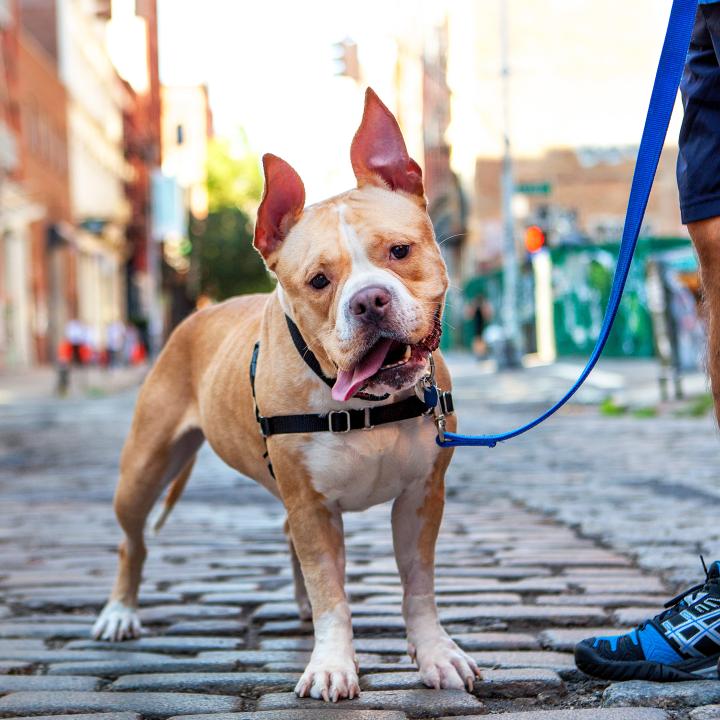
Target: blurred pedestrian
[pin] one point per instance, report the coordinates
(64, 362)
(115, 342)
(683, 641)
(75, 335)
(480, 318)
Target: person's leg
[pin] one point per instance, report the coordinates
(698, 170)
(683, 641)
(705, 235)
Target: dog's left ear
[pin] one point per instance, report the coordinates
(378, 152)
(282, 204)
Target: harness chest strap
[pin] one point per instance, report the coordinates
(343, 421)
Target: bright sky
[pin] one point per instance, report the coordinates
(270, 69)
(582, 71)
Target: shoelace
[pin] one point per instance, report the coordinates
(679, 602)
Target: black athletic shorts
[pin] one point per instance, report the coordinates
(698, 168)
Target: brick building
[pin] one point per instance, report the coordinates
(581, 192)
(44, 160)
(446, 203)
(73, 33)
(141, 129)
(17, 210)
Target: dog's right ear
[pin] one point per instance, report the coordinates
(281, 206)
(378, 152)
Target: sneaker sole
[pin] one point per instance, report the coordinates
(597, 666)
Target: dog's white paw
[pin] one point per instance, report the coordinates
(442, 664)
(329, 681)
(117, 622)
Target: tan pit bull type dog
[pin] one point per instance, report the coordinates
(344, 340)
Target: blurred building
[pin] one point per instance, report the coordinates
(575, 195)
(446, 200)
(133, 44)
(74, 34)
(186, 130)
(44, 155)
(573, 122)
(411, 76)
(17, 209)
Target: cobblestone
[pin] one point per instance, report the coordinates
(577, 714)
(516, 588)
(15, 683)
(495, 683)
(415, 703)
(235, 682)
(708, 712)
(317, 713)
(680, 694)
(150, 705)
(84, 716)
(161, 644)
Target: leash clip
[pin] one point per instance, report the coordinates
(427, 390)
(440, 424)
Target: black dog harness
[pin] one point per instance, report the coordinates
(433, 402)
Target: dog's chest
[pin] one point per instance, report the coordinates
(364, 468)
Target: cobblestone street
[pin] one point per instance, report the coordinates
(590, 522)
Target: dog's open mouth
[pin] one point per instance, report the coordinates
(385, 355)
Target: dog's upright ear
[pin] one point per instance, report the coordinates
(378, 152)
(282, 204)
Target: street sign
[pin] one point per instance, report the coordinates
(538, 188)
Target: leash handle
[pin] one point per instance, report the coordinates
(662, 102)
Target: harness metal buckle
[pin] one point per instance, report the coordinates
(339, 413)
(368, 425)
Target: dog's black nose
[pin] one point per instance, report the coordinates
(370, 303)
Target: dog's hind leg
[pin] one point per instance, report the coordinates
(157, 452)
(173, 494)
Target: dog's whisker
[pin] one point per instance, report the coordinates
(451, 237)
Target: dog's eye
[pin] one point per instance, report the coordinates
(400, 251)
(319, 281)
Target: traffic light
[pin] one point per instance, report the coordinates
(534, 239)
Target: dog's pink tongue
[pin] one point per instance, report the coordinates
(348, 381)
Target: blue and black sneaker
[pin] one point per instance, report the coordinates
(681, 643)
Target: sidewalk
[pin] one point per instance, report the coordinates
(633, 382)
(40, 383)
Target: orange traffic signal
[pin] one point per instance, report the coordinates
(534, 238)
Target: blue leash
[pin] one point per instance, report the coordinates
(662, 101)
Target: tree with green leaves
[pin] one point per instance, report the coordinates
(227, 264)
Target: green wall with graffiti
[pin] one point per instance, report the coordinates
(581, 280)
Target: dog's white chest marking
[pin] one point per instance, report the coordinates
(362, 468)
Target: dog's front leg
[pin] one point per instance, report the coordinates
(416, 517)
(317, 535)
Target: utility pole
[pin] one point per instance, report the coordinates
(512, 350)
